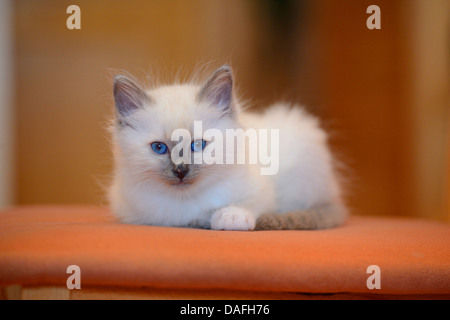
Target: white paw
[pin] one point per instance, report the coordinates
(232, 218)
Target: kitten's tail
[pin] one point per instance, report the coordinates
(320, 217)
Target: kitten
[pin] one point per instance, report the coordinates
(149, 188)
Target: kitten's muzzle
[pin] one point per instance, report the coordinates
(181, 171)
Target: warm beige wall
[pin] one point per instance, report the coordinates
(430, 87)
(388, 91)
(366, 88)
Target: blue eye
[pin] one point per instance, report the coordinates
(159, 147)
(198, 145)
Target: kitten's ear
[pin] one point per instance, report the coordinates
(218, 90)
(128, 96)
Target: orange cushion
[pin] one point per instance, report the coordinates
(38, 243)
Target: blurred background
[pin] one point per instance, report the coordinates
(382, 94)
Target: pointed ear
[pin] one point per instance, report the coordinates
(128, 96)
(218, 90)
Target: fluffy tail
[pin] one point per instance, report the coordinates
(320, 217)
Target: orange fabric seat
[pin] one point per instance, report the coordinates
(38, 243)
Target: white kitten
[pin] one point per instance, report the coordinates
(149, 188)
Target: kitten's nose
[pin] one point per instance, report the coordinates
(180, 171)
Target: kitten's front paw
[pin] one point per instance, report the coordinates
(232, 218)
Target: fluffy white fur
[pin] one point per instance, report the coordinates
(222, 197)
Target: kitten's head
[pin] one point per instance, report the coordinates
(145, 121)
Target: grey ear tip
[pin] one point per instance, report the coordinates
(120, 78)
(225, 67)
(122, 82)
